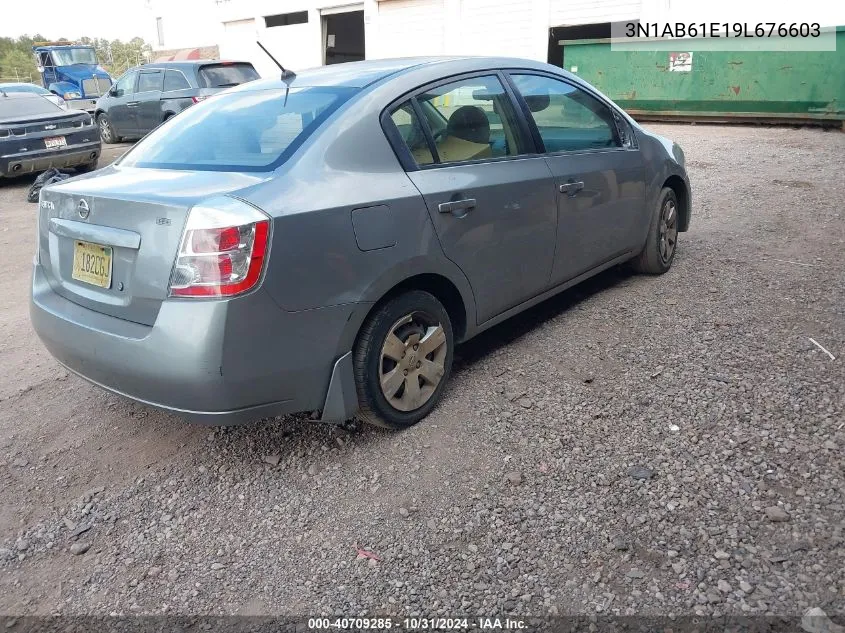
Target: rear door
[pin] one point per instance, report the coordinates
(599, 175)
(492, 205)
(122, 105)
(148, 114)
(176, 92)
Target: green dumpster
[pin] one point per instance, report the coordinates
(712, 85)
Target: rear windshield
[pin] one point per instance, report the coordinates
(241, 131)
(25, 105)
(226, 75)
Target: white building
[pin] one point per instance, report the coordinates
(308, 33)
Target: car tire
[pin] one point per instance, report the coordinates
(84, 169)
(662, 242)
(412, 334)
(106, 130)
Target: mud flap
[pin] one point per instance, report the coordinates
(341, 398)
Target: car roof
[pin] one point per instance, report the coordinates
(193, 63)
(364, 73)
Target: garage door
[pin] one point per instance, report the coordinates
(572, 12)
(414, 27)
(239, 41)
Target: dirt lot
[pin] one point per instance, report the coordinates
(668, 445)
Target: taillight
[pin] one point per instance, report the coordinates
(222, 251)
(198, 99)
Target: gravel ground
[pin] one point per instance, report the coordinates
(638, 445)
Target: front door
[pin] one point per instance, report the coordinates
(148, 114)
(122, 105)
(599, 175)
(493, 207)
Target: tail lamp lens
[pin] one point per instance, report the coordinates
(222, 251)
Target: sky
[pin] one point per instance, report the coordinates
(53, 19)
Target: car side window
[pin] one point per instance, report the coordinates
(471, 119)
(568, 119)
(174, 80)
(125, 85)
(150, 81)
(406, 121)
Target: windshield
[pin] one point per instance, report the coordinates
(70, 56)
(224, 75)
(22, 105)
(24, 88)
(241, 131)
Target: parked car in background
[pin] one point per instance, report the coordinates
(323, 242)
(36, 134)
(146, 96)
(32, 88)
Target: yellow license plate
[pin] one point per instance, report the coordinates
(92, 264)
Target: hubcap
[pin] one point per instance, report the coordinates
(104, 127)
(668, 230)
(412, 361)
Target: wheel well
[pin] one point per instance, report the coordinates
(676, 184)
(445, 292)
(97, 113)
(167, 115)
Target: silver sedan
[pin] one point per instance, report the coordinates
(324, 242)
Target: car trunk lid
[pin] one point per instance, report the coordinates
(108, 242)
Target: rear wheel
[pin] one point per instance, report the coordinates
(106, 129)
(402, 360)
(659, 252)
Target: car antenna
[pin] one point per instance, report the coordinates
(287, 75)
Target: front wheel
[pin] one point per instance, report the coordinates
(659, 252)
(106, 129)
(402, 360)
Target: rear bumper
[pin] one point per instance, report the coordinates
(42, 160)
(88, 105)
(212, 362)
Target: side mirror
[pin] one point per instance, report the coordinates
(113, 91)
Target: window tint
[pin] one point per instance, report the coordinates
(408, 124)
(149, 82)
(175, 80)
(245, 131)
(126, 84)
(471, 119)
(567, 118)
(225, 75)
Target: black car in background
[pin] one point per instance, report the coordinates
(146, 96)
(36, 134)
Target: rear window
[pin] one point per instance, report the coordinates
(25, 105)
(226, 75)
(241, 131)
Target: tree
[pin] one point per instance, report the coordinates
(15, 65)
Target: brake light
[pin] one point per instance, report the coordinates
(222, 251)
(198, 99)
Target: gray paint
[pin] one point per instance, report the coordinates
(375, 227)
(347, 227)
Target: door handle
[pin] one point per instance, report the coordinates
(572, 188)
(456, 205)
(132, 104)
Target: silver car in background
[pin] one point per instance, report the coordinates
(323, 242)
